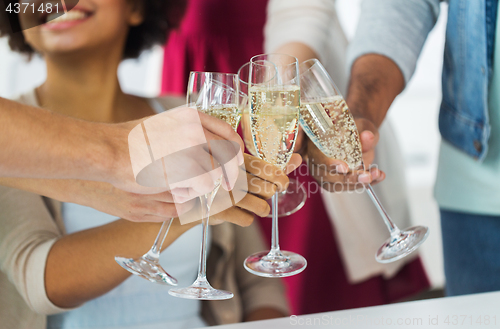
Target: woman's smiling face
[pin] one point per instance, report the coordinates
(91, 24)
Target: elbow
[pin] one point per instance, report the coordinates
(61, 299)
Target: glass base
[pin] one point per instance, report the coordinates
(283, 264)
(402, 245)
(148, 269)
(291, 200)
(202, 290)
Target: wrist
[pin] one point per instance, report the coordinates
(108, 156)
(375, 82)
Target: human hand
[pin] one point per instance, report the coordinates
(263, 180)
(335, 175)
(126, 205)
(104, 197)
(188, 160)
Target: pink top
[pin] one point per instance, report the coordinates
(215, 35)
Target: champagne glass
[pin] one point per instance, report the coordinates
(294, 197)
(274, 97)
(214, 94)
(327, 121)
(148, 266)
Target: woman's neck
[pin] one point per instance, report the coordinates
(85, 86)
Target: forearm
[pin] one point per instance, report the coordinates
(298, 49)
(64, 190)
(39, 143)
(394, 28)
(374, 84)
(81, 266)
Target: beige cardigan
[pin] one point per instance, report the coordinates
(30, 224)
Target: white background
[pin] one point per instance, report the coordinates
(414, 114)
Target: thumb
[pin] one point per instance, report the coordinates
(368, 134)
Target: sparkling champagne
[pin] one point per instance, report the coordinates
(274, 122)
(227, 113)
(247, 133)
(330, 125)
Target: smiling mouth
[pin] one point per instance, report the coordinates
(72, 15)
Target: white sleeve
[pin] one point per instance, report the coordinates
(313, 23)
(299, 21)
(396, 29)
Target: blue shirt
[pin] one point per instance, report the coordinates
(463, 183)
(398, 29)
(468, 177)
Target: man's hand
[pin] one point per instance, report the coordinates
(176, 132)
(334, 175)
(104, 197)
(131, 206)
(374, 83)
(263, 180)
(369, 136)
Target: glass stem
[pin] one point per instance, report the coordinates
(154, 253)
(393, 229)
(275, 240)
(206, 203)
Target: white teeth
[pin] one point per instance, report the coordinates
(72, 15)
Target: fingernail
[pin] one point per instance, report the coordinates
(375, 174)
(364, 178)
(369, 134)
(382, 177)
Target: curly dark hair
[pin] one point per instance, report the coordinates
(160, 16)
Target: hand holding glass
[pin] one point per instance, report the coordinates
(214, 94)
(327, 121)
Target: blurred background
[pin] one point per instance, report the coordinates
(414, 115)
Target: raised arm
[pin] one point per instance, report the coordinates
(383, 54)
(382, 57)
(37, 143)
